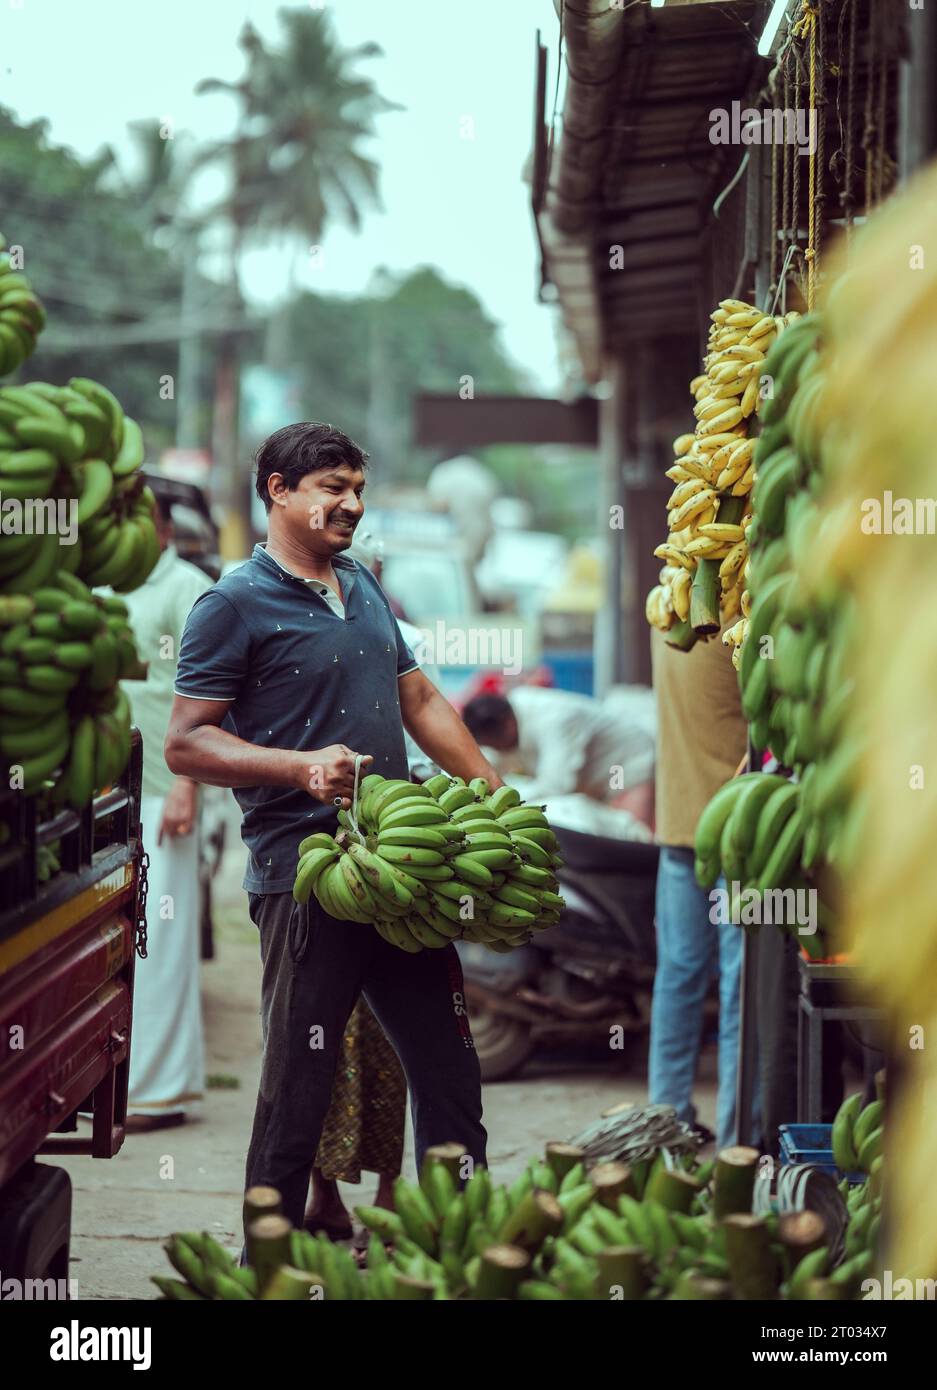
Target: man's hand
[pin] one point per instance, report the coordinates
(329, 773)
(178, 809)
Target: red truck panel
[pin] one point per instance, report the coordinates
(54, 1077)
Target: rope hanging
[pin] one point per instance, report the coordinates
(806, 28)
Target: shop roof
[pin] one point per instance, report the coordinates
(633, 165)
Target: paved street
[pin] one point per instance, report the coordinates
(191, 1177)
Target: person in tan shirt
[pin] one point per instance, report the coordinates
(702, 737)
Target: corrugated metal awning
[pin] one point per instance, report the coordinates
(634, 167)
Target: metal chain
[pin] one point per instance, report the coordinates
(143, 863)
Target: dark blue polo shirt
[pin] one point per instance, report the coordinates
(298, 676)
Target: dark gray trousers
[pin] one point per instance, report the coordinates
(314, 968)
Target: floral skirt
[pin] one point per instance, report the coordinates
(364, 1127)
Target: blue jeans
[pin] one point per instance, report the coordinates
(690, 951)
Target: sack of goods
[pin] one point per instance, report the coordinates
(427, 864)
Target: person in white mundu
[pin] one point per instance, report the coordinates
(167, 1066)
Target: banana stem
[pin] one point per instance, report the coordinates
(534, 1218)
(501, 1271)
(563, 1157)
(621, 1266)
(734, 1181)
(681, 636)
(610, 1181)
(412, 1290)
(268, 1247)
(450, 1156)
(673, 1188)
(294, 1285)
(706, 591)
(692, 1287)
(260, 1201)
(752, 1265)
(704, 598)
(800, 1232)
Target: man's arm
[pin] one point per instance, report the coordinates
(432, 722)
(198, 748)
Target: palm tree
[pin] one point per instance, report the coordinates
(293, 162)
(293, 158)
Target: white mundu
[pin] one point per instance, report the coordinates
(167, 1063)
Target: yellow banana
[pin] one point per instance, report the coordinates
(709, 443)
(692, 507)
(684, 491)
(709, 408)
(744, 353)
(698, 467)
(723, 532)
(721, 423)
(680, 594)
(706, 549)
(749, 396)
(764, 326)
(733, 561)
(682, 444)
(674, 556)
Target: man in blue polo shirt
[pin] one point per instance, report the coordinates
(289, 667)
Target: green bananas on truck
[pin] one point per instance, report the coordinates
(76, 516)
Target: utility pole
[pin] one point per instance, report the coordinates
(190, 348)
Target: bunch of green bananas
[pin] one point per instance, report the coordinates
(449, 1239)
(22, 317)
(858, 1134)
(74, 443)
(690, 1234)
(63, 651)
(208, 1271)
(430, 863)
(864, 1203)
(752, 831)
(661, 1229)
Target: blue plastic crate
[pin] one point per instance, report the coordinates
(812, 1144)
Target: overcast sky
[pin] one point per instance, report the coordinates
(91, 66)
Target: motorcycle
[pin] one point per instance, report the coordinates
(588, 978)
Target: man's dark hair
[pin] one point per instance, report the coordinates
(485, 716)
(304, 448)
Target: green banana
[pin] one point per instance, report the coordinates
(712, 823)
(813, 1266)
(49, 679)
(97, 483)
(503, 800)
(870, 1119)
(413, 1215)
(41, 567)
(78, 780)
(871, 1148)
(310, 866)
(455, 798)
(842, 1143)
(415, 836)
(774, 816)
(784, 855)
